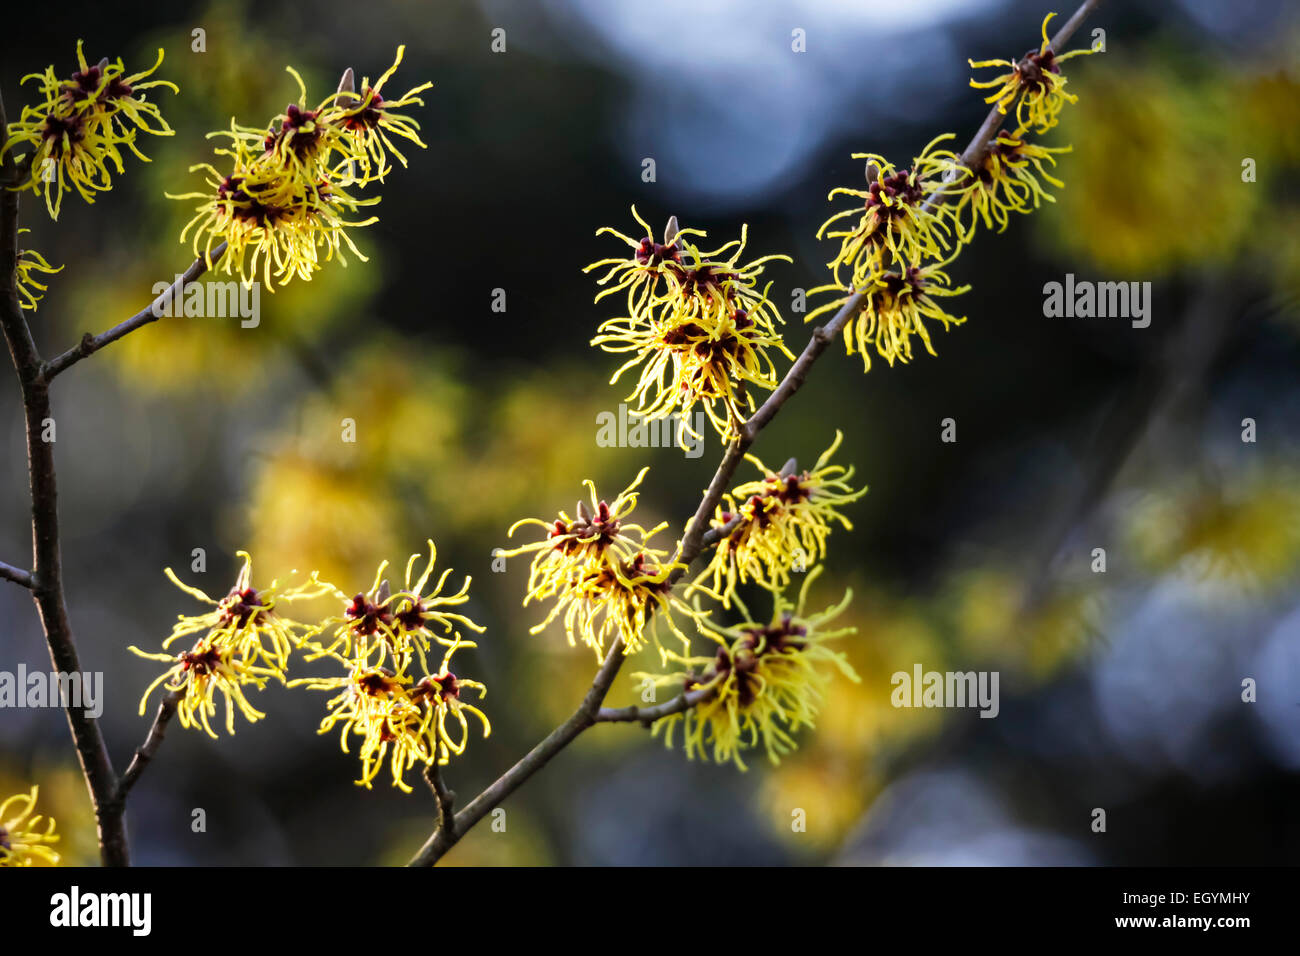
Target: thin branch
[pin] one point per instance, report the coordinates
(559, 738)
(445, 832)
(90, 344)
(648, 715)
(145, 752)
(17, 575)
(47, 573)
(693, 541)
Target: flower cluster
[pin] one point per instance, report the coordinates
(378, 638)
(23, 841)
(397, 718)
(402, 715)
(1034, 84)
(80, 126)
(912, 222)
(895, 305)
(778, 524)
(244, 641)
(1008, 178)
(764, 682)
(286, 202)
(604, 576)
(896, 221)
(698, 326)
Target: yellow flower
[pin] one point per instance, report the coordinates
(106, 91)
(1035, 84)
(894, 223)
(370, 119)
(209, 669)
(403, 724)
(1238, 536)
(782, 523)
(245, 641)
(22, 838)
(285, 197)
(396, 627)
(302, 143)
(643, 275)
(30, 289)
(687, 362)
(1009, 178)
(767, 681)
(270, 221)
(896, 307)
(619, 601)
(594, 538)
(709, 287)
(70, 152)
(698, 326)
(440, 696)
(375, 705)
(248, 620)
(76, 131)
(605, 577)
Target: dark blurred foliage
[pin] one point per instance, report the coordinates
(1120, 690)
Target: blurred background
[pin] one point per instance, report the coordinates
(1120, 690)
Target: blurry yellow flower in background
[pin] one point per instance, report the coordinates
(313, 490)
(1035, 84)
(1149, 192)
(23, 840)
(1241, 535)
(992, 620)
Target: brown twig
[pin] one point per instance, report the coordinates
(145, 752)
(90, 344)
(445, 831)
(17, 575)
(648, 715)
(46, 578)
